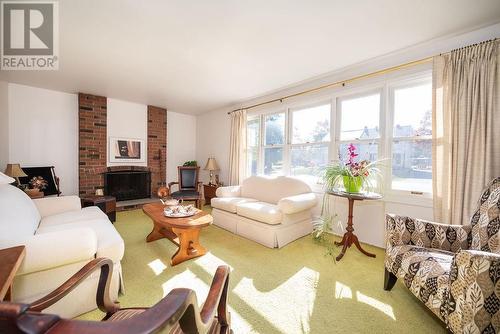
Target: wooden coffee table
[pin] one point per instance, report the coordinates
(183, 232)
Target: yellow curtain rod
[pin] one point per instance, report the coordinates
(359, 77)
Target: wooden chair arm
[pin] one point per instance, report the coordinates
(217, 298)
(103, 300)
(170, 184)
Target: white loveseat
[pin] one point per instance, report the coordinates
(270, 211)
(60, 238)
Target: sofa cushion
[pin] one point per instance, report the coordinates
(229, 203)
(297, 203)
(486, 220)
(49, 206)
(425, 271)
(19, 216)
(272, 189)
(260, 211)
(228, 191)
(50, 250)
(109, 242)
(88, 213)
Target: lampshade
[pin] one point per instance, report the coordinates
(211, 164)
(14, 170)
(4, 179)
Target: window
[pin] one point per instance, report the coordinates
(391, 120)
(310, 133)
(359, 124)
(274, 142)
(411, 138)
(253, 144)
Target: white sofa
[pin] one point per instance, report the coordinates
(60, 238)
(270, 211)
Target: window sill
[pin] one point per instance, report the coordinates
(405, 199)
(409, 199)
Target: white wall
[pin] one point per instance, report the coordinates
(43, 130)
(181, 142)
(4, 125)
(127, 120)
(213, 129)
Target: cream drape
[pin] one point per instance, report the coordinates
(237, 147)
(466, 129)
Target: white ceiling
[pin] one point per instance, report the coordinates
(196, 56)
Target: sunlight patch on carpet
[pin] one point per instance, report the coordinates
(210, 262)
(289, 306)
(342, 291)
(157, 266)
(383, 307)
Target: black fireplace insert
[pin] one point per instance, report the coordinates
(127, 184)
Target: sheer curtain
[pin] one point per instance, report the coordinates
(466, 129)
(237, 147)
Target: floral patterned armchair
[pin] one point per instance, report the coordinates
(453, 269)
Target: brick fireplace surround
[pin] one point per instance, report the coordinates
(92, 147)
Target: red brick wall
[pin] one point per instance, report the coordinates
(157, 147)
(92, 113)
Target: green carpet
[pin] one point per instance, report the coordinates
(296, 289)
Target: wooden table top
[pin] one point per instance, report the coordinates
(98, 198)
(356, 196)
(10, 261)
(199, 220)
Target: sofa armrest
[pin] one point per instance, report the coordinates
(49, 206)
(229, 191)
(474, 277)
(403, 230)
(297, 203)
(54, 249)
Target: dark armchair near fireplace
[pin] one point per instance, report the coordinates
(188, 184)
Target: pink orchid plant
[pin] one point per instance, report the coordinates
(350, 166)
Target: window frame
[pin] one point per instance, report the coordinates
(291, 145)
(338, 127)
(412, 81)
(258, 147)
(262, 154)
(360, 92)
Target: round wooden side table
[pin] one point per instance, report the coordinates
(349, 237)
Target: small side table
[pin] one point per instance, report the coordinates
(106, 203)
(209, 192)
(10, 261)
(349, 237)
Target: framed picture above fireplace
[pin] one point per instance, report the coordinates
(126, 150)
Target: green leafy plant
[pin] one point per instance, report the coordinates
(191, 163)
(323, 226)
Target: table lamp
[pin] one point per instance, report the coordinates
(211, 166)
(15, 171)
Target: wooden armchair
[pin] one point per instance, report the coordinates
(189, 186)
(177, 312)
